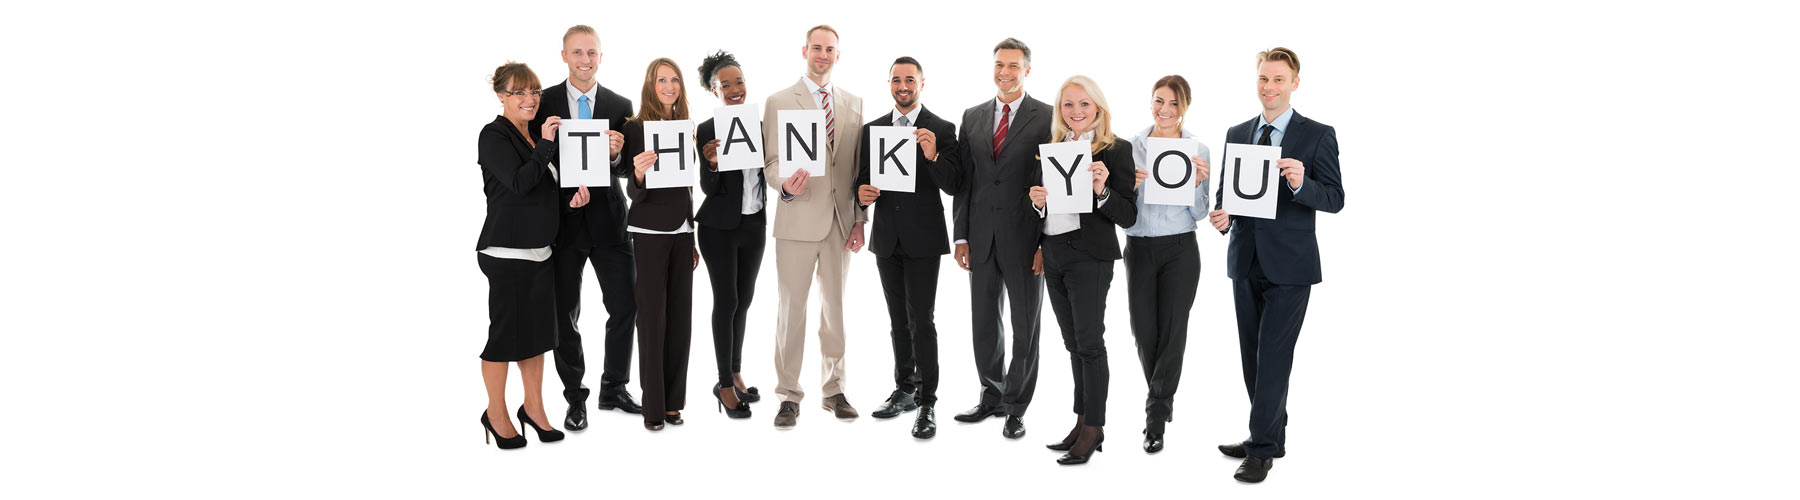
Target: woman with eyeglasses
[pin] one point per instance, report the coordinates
(733, 233)
(661, 223)
(1162, 261)
(514, 252)
(1079, 250)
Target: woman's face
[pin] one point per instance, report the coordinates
(1078, 110)
(519, 104)
(730, 89)
(668, 86)
(1164, 109)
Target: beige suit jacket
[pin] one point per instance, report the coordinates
(831, 200)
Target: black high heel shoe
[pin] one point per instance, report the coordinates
(547, 436)
(504, 443)
(674, 419)
(748, 395)
(743, 407)
(1068, 443)
(1076, 457)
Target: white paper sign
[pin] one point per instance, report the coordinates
(1250, 179)
(1067, 178)
(673, 142)
(1171, 168)
(800, 138)
(893, 159)
(584, 153)
(739, 131)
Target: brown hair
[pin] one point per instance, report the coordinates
(1183, 94)
(1015, 44)
(1282, 54)
(512, 73)
(650, 108)
(834, 33)
(581, 29)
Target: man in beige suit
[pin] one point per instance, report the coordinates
(817, 226)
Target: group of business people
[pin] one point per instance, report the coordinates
(538, 239)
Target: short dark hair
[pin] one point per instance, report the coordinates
(1015, 44)
(709, 68)
(513, 73)
(907, 60)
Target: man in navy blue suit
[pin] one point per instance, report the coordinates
(1273, 263)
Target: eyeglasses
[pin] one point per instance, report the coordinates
(523, 93)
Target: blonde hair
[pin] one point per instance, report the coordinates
(581, 29)
(1282, 54)
(1102, 127)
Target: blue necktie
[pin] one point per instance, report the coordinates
(585, 112)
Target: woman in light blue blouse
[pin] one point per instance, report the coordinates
(1162, 262)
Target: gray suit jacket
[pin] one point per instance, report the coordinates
(993, 209)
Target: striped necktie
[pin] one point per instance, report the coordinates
(1000, 132)
(830, 132)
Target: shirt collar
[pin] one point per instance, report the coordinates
(1281, 122)
(593, 93)
(1085, 136)
(1014, 103)
(1145, 134)
(815, 88)
(912, 117)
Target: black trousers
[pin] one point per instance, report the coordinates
(665, 320)
(1161, 276)
(733, 257)
(1268, 317)
(1009, 387)
(618, 280)
(1078, 284)
(910, 284)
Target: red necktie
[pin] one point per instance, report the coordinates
(1000, 133)
(830, 133)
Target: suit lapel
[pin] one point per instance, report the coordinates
(1027, 114)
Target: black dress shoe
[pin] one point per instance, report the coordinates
(1079, 454)
(544, 436)
(1153, 442)
(1236, 450)
(654, 426)
(618, 401)
(1253, 470)
(979, 413)
(1015, 427)
(897, 403)
(925, 425)
(576, 419)
(674, 419)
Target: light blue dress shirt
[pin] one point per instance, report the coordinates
(1167, 220)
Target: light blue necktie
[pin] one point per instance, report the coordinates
(585, 112)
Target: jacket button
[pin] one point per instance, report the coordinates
(996, 182)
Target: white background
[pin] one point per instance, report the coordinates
(240, 252)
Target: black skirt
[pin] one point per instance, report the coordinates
(521, 308)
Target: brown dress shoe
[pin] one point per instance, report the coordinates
(790, 413)
(840, 407)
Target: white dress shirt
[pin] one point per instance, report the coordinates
(912, 118)
(753, 192)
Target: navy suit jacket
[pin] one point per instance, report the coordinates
(1286, 247)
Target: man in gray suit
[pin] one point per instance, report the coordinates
(997, 235)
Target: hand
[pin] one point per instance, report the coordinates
(1220, 220)
(927, 142)
(1099, 170)
(855, 243)
(696, 258)
(615, 141)
(643, 161)
(1038, 194)
(1202, 170)
(1293, 170)
(1037, 262)
(867, 194)
(962, 255)
(796, 184)
(1141, 174)
(711, 152)
(550, 126)
(581, 197)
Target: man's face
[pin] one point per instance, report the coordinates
(821, 52)
(905, 82)
(1275, 84)
(1010, 69)
(582, 53)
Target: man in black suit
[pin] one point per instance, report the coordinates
(593, 233)
(997, 235)
(1273, 263)
(908, 239)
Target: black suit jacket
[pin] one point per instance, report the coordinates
(521, 195)
(724, 204)
(603, 218)
(662, 209)
(1098, 236)
(913, 222)
(993, 204)
(1286, 247)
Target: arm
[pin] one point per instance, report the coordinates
(1121, 198)
(1200, 208)
(1324, 188)
(497, 159)
(634, 144)
(710, 176)
(770, 129)
(862, 167)
(948, 169)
